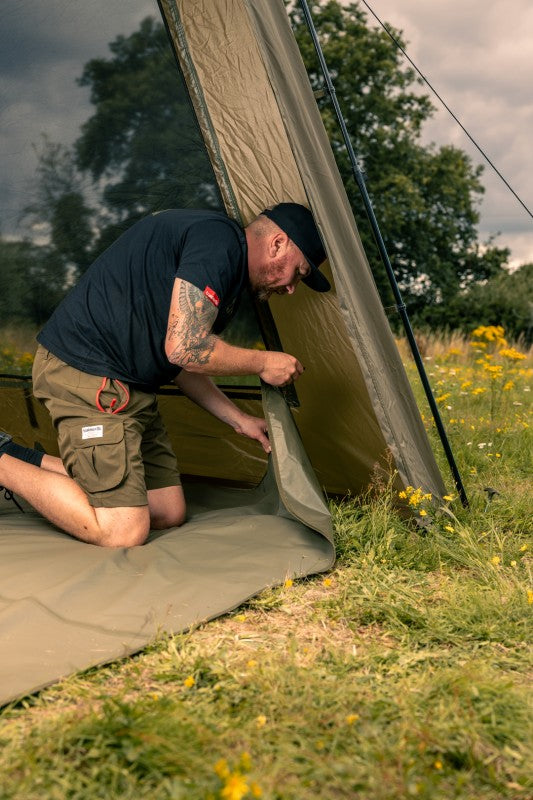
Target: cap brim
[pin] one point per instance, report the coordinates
(316, 281)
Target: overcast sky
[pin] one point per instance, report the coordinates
(477, 54)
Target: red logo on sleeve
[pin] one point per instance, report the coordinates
(212, 295)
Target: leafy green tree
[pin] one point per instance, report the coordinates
(31, 283)
(505, 299)
(59, 205)
(425, 198)
(142, 142)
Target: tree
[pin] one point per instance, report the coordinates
(60, 210)
(31, 282)
(143, 142)
(425, 198)
(505, 299)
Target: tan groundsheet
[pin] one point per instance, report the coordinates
(66, 606)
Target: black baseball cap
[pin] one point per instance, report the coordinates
(298, 223)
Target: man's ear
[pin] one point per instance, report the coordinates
(278, 243)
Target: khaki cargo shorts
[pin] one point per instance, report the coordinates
(111, 437)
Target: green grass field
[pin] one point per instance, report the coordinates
(405, 672)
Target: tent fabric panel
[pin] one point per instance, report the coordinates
(359, 301)
(344, 447)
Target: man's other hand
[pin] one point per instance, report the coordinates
(254, 428)
(280, 369)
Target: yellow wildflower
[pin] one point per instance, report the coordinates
(402, 495)
(512, 354)
(523, 548)
(449, 528)
(448, 498)
(478, 390)
(235, 788)
(189, 682)
(222, 769)
(495, 370)
(508, 386)
(495, 560)
(288, 583)
(261, 721)
(438, 764)
(423, 512)
(351, 718)
(416, 498)
(251, 663)
(479, 331)
(256, 789)
(530, 596)
(327, 582)
(241, 617)
(443, 397)
(492, 333)
(513, 563)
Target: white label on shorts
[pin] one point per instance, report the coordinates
(92, 432)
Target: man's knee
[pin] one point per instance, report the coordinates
(167, 518)
(123, 527)
(167, 507)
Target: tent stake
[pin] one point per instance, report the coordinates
(400, 305)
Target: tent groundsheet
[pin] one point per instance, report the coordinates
(66, 606)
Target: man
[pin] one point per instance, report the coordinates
(147, 312)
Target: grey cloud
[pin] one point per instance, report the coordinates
(479, 57)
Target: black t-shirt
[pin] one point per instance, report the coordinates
(114, 321)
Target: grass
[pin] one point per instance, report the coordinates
(405, 672)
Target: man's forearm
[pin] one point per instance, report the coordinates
(202, 391)
(216, 357)
(189, 343)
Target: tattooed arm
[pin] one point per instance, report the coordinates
(190, 344)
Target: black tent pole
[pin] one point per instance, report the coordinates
(400, 305)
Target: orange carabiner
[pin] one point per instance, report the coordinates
(112, 409)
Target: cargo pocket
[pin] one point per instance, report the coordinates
(97, 453)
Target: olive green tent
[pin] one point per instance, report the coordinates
(65, 605)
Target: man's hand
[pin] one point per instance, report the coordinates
(254, 428)
(280, 369)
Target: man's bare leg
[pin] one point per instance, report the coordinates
(167, 507)
(53, 464)
(58, 498)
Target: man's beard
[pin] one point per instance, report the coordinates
(262, 294)
(264, 291)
